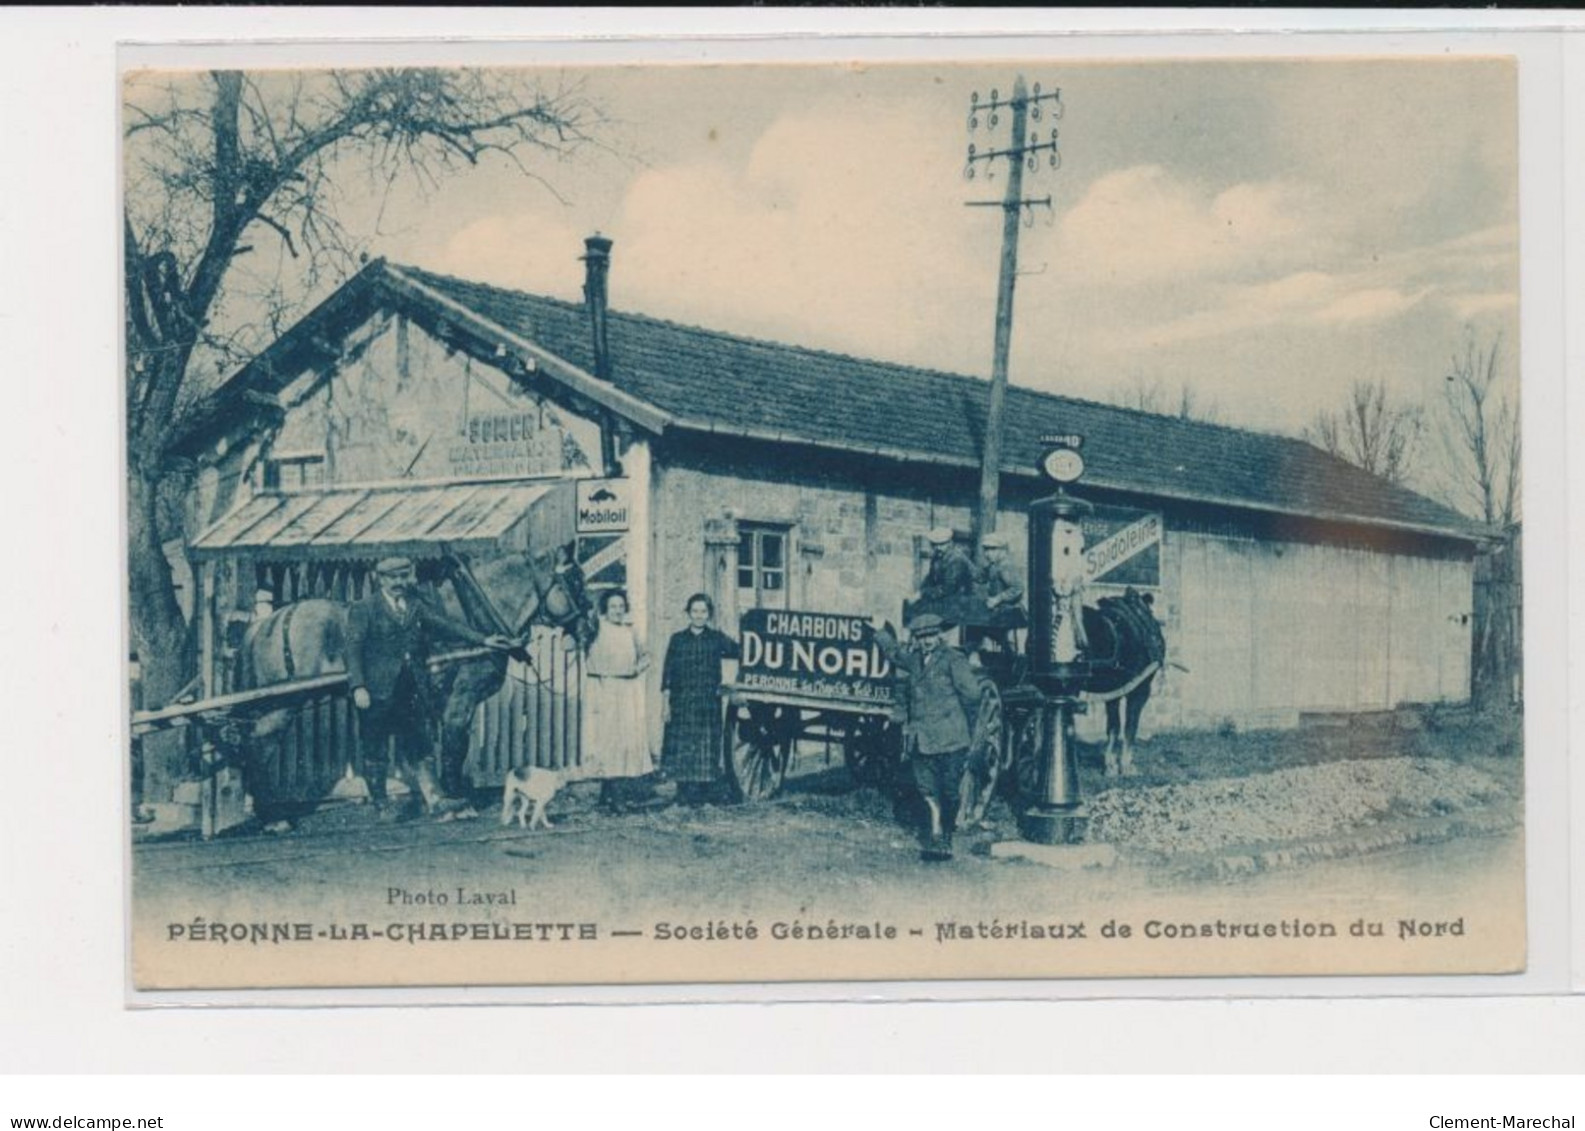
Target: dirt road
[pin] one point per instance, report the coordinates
(826, 857)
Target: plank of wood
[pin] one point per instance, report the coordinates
(143, 722)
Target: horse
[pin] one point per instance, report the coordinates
(1126, 648)
(506, 595)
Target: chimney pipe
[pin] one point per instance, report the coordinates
(597, 268)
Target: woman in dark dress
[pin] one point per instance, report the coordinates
(690, 686)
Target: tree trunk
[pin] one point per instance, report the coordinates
(160, 636)
(159, 632)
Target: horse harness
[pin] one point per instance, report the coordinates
(289, 661)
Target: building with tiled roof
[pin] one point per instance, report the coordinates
(770, 474)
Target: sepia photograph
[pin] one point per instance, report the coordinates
(823, 522)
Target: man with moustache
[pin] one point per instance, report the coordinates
(389, 637)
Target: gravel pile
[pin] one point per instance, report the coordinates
(1304, 802)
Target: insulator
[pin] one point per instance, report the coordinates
(974, 98)
(968, 172)
(994, 120)
(971, 151)
(1031, 163)
(1056, 159)
(974, 122)
(1035, 113)
(1037, 90)
(993, 94)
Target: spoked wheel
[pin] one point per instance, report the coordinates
(1024, 754)
(987, 756)
(759, 747)
(871, 749)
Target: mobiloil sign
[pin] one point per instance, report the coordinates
(823, 655)
(604, 506)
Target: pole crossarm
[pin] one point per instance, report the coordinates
(1026, 202)
(1015, 150)
(976, 107)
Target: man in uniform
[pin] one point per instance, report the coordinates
(389, 634)
(951, 573)
(943, 705)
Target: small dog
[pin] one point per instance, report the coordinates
(526, 786)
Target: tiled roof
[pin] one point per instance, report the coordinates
(706, 379)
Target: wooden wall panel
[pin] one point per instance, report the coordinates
(1272, 629)
(1370, 621)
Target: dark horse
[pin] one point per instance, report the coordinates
(1127, 649)
(506, 595)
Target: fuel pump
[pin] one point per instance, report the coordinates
(1056, 647)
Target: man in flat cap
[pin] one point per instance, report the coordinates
(1002, 583)
(389, 636)
(951, 574)
(943, 701)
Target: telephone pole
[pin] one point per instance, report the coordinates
(1022, 151)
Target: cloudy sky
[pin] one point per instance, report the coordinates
(1266, 231)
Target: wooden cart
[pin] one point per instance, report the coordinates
(763, 728)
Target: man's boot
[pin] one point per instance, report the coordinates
(453, 756)
(374, 776)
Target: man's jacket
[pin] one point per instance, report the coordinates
(943, 694)
(951, 574)
(380, 644)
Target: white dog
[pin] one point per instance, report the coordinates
(529, 786)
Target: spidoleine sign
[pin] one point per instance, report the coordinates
(820, 655)
(1123, 547)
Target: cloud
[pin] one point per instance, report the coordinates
(1368, 305)
(1469, 307)
(1142, 225)
(1469, 274)
(841, 231)
(533, 250)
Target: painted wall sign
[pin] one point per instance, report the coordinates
(604, 505)
(1123, 547)
(820, 654)
(507, 443)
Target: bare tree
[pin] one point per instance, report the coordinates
(1479, 426)
(1480, 435)
(1372, 431)
(233, 216)
(1150, 395)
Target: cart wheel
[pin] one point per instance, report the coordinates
(987, 758)
(758, 750)
(1023, 748)
(871, 750)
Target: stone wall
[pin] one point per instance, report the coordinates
(1267, 628)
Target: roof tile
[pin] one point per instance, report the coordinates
(711, 379)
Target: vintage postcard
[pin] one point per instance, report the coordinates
(1018, 519)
